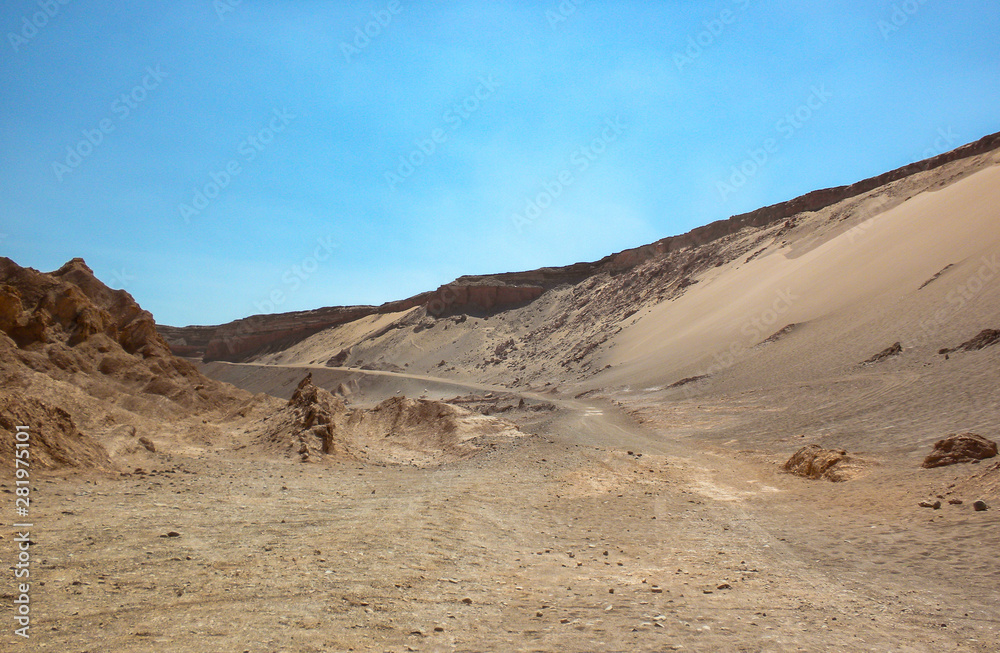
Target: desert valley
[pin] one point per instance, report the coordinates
(772, 433)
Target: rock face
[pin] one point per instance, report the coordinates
(70, 305)
(982, 340)
(812, 461)
(68, 323)
(960, 448)
(72, 349)
(316, 416)
(52, 435)
(318, 425)
(484, 294)
(892, 350)
(241, 340)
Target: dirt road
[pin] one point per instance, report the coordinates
(598, 534)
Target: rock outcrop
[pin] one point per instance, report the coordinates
(484, 294)
(960, 448)
(815, 462)
(77, 357)
(68, 323)
(243, 339)
(317, 425)
(894, 349)
(982, 340)
(52, 436)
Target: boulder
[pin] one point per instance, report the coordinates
(813, 461)
(960, 448)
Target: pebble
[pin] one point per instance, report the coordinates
(980, 506)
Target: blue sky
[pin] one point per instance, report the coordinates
(220, 159)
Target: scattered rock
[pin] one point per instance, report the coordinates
(780, 333)
(893, 350)
(724, 586)
(955, 502)
(982, 340)
(936, 505)
(980, 506)
(960, 448)
(147, 444)
(687, 380)
(935, 277)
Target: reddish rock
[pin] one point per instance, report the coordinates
(960, 448)
(812, 461)
(241, 340)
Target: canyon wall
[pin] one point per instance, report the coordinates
(484, 294)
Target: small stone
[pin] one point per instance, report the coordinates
(980, 506)
(467, 601)
(724, 586)
(438, 629)
(955, 502)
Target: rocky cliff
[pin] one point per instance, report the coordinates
(78, 359)
(242, 339)
(486, 294)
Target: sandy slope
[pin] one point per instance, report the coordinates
(866, 277)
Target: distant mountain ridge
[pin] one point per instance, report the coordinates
(243, 339)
